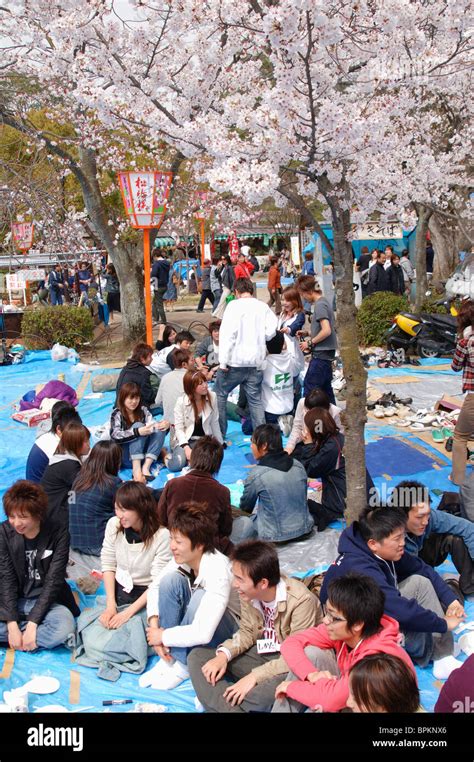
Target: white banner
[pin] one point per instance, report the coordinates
(295, 249)
(30, 275)
(372, 231)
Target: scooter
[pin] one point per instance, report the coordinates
(428, 335)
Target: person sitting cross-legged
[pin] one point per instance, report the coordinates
(321, 658)
(243, 673)
(433, 535)
(37, 608)
(415, 595)
(279, 485)
(191, 603)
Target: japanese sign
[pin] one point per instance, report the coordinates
(23, 235)
(377, 230)
(144, 197)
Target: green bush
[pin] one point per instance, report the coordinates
(375, 316)
(429, 303)
(67, 325)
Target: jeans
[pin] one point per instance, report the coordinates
(319, 374)
(324, 659)
(217, 296)
(258, 699)
(56, 297)
(158, 308)
(178, 607)
(143, 447)
(244, 528)
(463, 432)
(248, 378)
(57, 627)
(423, 646)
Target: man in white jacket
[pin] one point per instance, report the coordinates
(247, 324)
(284, 362)
(192, 602)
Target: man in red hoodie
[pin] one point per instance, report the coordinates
(321, 657)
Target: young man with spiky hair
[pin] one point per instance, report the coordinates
(244, 671)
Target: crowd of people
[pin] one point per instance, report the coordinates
(196, 580)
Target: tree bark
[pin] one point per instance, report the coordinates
(424, 214)
(355, 374)
(448, 240)
(127, 261)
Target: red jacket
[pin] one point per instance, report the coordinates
(331, 695)
(274, 278)
(244, 270)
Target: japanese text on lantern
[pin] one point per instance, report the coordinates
(23, 235)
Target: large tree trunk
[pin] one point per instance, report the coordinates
(354, 372)
(128, 261)
(424, 214)
(448, 240)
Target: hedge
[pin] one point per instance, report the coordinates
(375, 316)
(65, 324)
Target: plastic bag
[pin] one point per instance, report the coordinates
(59, 352)
(72, 356)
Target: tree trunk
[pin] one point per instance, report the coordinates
(355, 374)
(424, 214)
(128, 261)
(448, 240)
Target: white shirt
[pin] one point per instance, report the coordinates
(277, 385)
(158, 364)
(246, 326)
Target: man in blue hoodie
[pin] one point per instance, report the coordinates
(432, 535)
(415, 595)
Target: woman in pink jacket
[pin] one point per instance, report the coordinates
(321, 657)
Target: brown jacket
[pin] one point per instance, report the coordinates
(274, 279)
(300, 610)
(203, 488)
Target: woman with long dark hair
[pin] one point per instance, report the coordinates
(112, 289)
(167, 339)
(92, 505)
(195, 415)
(134, 552)
(63, 468)
(133, 427)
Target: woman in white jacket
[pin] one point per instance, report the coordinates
(195, 414)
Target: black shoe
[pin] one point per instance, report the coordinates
(448, 445)
(199, 310)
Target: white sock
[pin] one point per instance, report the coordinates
(466, 643)
(197, 705)
(175, 675)
(161, 668)
(442, 668)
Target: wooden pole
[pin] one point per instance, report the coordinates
(147, 269)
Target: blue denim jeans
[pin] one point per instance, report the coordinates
(56, 629)
(319, 374)
(244, 528)
(178, 607)
(143, 447)
(56, 297)
(251, 381)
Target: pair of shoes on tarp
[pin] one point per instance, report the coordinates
(388, 400)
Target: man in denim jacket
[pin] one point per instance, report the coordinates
(432, 535)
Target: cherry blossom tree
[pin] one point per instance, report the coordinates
(310, 99)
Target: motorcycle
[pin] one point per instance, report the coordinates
(429, 335)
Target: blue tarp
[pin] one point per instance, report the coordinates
(402, 451)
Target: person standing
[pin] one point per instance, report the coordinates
(216, 285)
(378, 276)
(243, 269)
(463, 360)
(323, 341)
(396, 276)
(160, 274)
(112, 289)
(206, 292)
(228, 280)
(274, 285)
(408, 270)
(246, 326)
(362, 266)
(56, 286)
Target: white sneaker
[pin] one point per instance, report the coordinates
(146, 680)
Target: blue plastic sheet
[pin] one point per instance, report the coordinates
(401, 449)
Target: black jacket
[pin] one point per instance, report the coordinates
(161, 271)
(51, 567)
(378, 279)
(57, 482)
(396, 279)
(328, 465)
(134, 371)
